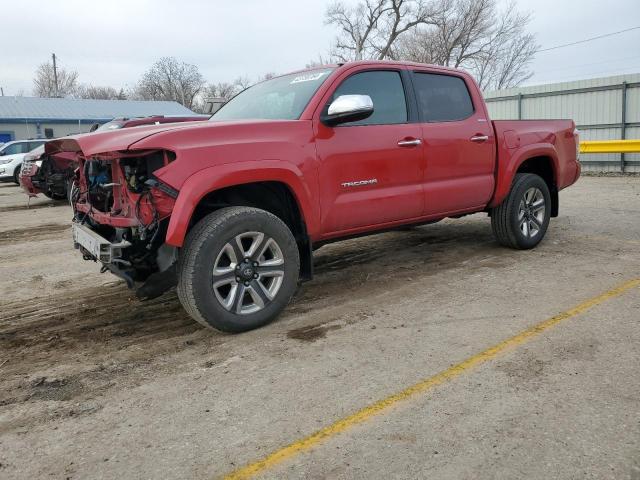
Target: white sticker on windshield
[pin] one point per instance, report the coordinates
(308, 77)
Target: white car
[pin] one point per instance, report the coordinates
(11, 156)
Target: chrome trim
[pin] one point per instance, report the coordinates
(360, 183)
(346, 104)
(410, 143)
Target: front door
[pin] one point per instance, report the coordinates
(371, 171)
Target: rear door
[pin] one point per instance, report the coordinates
(459, 144)
(371, 171)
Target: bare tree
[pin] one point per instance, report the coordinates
(370, 29)
(506, 60)
(99, 93)
(44, 82)
(243, 82)
(224, 90)
(169, 79)
(470, 34)
(267, 76)
(318, 62)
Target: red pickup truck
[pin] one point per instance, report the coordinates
(230, 210)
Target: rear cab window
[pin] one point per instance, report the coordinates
(386, 91)
(442, 97)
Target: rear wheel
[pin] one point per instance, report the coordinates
(522, 219)
(238, 270)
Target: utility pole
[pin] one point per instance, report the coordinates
(55, 75)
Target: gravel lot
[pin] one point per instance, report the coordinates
(95, 384)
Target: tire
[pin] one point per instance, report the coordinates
(53, 196)
(212, 261)
(522, 219)
(16, 174)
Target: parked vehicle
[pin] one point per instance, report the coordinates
(53, 175)
(50, 175)
(124, 122)
(231, 210)
(11, 157)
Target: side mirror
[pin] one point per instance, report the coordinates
(348, 108)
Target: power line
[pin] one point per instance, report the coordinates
(587, 39)
(581, 65)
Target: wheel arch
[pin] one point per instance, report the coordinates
(543, 166)
(278, 191)
(541, 159)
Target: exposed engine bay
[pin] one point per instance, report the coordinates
(120, 200)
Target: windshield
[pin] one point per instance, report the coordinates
(281, 98)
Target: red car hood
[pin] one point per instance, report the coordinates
(109, 141)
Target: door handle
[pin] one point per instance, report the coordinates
(479, 138)
(410, 142)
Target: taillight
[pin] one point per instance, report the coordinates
(576, 135)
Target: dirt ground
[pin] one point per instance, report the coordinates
(96, 384)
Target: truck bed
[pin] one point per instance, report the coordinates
(517, 139)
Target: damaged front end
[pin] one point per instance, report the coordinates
(121, 214)
(51, 175)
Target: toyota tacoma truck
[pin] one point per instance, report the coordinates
(230, 210)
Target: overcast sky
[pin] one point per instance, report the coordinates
(113, 42)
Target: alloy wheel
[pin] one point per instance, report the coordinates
(248, 273)
(531, 212)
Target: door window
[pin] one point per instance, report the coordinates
(34, 145)
(15, 148)
(442, 98)
(386, 92)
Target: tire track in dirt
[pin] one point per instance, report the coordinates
(77, 347)
(36, 233)
(25, 207)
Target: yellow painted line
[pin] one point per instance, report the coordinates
(610, 146)
(450, 373)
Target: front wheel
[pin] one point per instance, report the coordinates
(238, 270)
(521, 220)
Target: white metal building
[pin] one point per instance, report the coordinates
(32, 117)
(603, 108)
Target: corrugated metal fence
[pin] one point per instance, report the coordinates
(603, 108)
